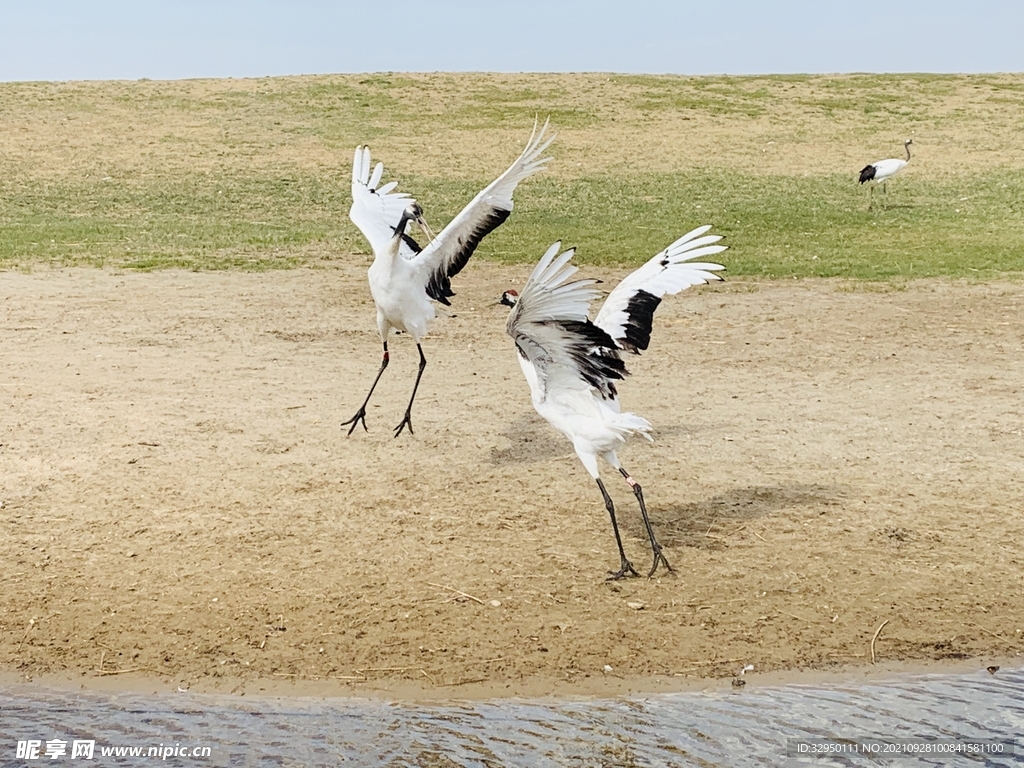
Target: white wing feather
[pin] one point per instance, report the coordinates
(376, 211)
(448, 253)
(550, 326)
(627, 312)
(546, 296)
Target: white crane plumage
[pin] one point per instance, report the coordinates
(572, 364)
(883, 170)
(405, 279)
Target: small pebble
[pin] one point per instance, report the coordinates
(496, 603)
(636, 606)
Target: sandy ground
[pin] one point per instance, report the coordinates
(179, 503)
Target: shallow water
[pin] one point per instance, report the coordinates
(748, 726)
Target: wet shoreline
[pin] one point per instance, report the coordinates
(595, 686)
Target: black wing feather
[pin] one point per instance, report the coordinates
(439, 287)
(407, 239)
(595, 355)
(640, 320)
(867, 173)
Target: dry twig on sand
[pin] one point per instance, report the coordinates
(456, 591)
(873, 639)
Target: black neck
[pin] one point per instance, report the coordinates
(400, 229)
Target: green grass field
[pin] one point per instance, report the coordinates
(255, 174)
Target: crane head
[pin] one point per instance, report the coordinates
(509, 298)
(415, 213)
(908, 141)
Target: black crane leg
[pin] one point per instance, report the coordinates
(361, 413)
(626, 567)
(407, 420)
(659, 556)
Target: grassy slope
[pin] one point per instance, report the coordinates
(254, 174)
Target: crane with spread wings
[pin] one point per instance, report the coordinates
(406, 279)
(572, 364)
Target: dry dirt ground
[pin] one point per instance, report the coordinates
(179, 504)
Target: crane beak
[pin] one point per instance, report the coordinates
(426, 228)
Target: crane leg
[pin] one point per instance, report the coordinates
(361, 413)
(407, 420)
(659, 556)
(626, 568)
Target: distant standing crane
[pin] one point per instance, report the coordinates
(882, 171)
(572, 364)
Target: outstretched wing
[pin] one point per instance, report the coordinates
(448, 253)
(550, 328)
(377, 210)
(628, 312)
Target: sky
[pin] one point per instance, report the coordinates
(132, 39)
